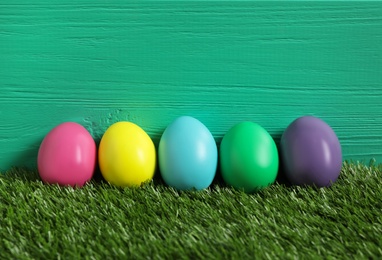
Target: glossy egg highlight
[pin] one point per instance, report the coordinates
(187, 154)
(248, 157)
(311, 152)
(67, 155)
(126, 155)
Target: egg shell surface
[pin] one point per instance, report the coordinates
(311, 152)
(187, 154)
(127, 155)
(248, 157)
(67, 155)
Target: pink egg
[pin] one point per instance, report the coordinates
(67, 155)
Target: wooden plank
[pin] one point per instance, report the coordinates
(268, 62)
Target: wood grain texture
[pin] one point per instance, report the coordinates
(268, 62)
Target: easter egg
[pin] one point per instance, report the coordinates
(67, 155)
(311, 152)
(126, 155)
(248, 157)
(187, 154)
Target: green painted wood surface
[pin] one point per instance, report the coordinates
(268, 62)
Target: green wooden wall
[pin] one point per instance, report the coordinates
(269, 62)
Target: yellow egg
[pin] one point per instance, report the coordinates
(126, 155)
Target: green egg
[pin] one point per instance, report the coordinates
(248, 157)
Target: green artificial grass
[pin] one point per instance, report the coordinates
(101, 221)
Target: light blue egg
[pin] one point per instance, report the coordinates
(187, 154)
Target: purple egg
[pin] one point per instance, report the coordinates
(311, 152)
